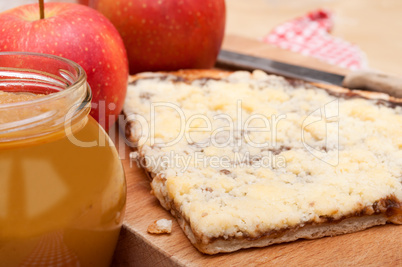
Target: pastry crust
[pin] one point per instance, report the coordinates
(382, 210)
(195, 74)
(387, 211)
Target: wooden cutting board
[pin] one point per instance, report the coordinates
(378, 246)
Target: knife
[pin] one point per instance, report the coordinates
(367, 80)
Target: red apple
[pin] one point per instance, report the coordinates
(167, 34)
(78, 33)
(83, 2)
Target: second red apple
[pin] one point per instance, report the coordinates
(167, 34)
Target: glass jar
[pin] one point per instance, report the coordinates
(62, 185)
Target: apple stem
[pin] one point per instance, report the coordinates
(41, 9)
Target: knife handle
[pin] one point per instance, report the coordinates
(374, 81)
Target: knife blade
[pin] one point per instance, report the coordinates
(242, 61)
(366, 80)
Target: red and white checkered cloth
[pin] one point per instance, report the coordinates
(310, 36)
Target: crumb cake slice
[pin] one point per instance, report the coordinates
(249, 159)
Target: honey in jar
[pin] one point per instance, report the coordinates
(62, 186)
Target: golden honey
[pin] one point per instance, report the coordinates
(62, 186)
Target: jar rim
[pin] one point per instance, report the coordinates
(63, 107)
(80, 80)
